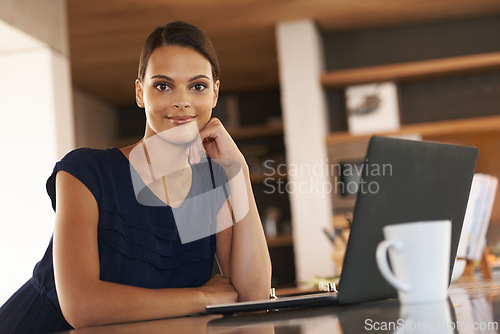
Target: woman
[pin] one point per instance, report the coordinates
(116, 255)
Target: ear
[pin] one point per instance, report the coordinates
(139, 93)
(216, 93)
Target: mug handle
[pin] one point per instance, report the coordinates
(383, 265)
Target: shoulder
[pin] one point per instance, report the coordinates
(88, 155)
(90, 166)
(88, 163)
(90, 160)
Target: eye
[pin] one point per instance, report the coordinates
(199, 87)
(161, 86)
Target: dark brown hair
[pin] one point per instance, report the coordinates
(179, 34)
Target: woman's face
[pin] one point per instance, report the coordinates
(178, 93)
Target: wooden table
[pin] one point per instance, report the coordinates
(472, 307)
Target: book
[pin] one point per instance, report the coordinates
(477, 217)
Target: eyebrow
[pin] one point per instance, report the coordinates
(196, 77)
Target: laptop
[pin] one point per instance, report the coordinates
(402, 181)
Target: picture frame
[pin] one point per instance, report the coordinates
(372, 108)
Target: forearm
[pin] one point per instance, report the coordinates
(102, 302)
(250, 265)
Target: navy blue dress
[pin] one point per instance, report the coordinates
(139, 245)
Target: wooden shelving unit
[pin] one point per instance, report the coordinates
(432, 129)
(125, 141)
(412, 70)
(482, 132)
(259, 143)
(261, 178)
(245, 132)
(256, 131)
(280, 240)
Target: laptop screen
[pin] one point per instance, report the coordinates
(402, 181)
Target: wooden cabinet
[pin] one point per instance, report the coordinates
(482, 132)
(263, 147)
(412, 70)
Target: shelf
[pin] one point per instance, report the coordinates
(256, 131)
(125, 141)
(259, 178)
(412, 70)
(244, 132)
(443, 128)
(280, 241)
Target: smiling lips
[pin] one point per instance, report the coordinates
(178, 120)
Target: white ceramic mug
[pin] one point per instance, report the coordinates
(419, 253)
(428, 318)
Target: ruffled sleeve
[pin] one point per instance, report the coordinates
(82, 164)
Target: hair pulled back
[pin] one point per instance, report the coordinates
(179, 34)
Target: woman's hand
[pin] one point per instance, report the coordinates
(218, 144)
(243, 254)
(219, 290)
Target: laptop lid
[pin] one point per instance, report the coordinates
(402, 181)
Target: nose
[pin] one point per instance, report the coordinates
(181, 100)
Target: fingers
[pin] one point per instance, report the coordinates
(218, 143)
(199, 144)
(212, 129)
(216, 140)
(195, 154)
(195, 151)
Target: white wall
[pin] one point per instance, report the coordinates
(303, 101)
(95, 121)
(36, 129)
(43, 20)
